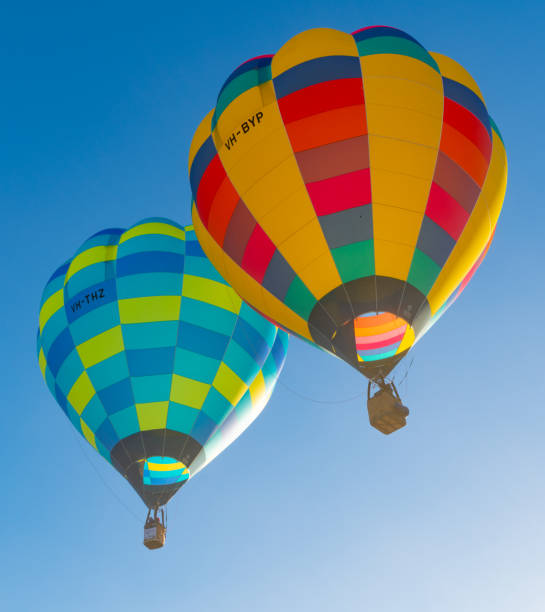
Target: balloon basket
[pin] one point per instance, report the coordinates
(154, 532)
(386, 411)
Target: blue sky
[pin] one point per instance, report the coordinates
(311, 509)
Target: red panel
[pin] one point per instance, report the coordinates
(340, 192)
(446, 211)
(258, 254)
(221, 211)
(467, 124)
(462, 151)
(210, 183)
(322, 97)
(367, 346)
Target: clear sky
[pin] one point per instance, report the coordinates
(311, 509)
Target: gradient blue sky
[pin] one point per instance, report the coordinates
(311, 509)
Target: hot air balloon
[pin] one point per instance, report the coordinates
(153, 357)
(348, 187)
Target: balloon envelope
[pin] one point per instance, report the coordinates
(348, 187)
(152, 356)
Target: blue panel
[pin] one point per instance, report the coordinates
(216, 406)
(241, 363)
(91, 298)
(112, 231)
(88, 277)
(144, 285)
(125, 422)
(251, 341)
(61, 399)
(116, 396)
(181, 418)
(55, 326)
(94, 414)
(150, 261)
(60, 271)
(151, 388)
(151, 242)
(107, 436)
(201, 340)
(147, 362)
(193, 248)
(465, 97)
(103, 450)
(95, 322)
(150, 335)
(69, 372)
(51, 288)
(205, 155)
(195, 366)
(259, 323)
(279, 353)
(59, 351)
(109, 371)
(374, 31)
(316, 71)
(203, 428)
(199, 266)
(208, 315)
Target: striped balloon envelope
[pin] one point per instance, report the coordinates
(152, 356)
(348, 187)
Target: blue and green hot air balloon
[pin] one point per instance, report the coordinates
(152, 356)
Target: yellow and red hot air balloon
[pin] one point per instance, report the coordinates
(348, 187)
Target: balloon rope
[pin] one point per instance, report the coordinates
(79, 443)
(317, 401)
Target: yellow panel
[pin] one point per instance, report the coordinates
(401, 190)
(211, 292)
(101, 347)
(50, 307)
(453, 70)
(303, 247)
(393, 259)
(245, 285)
(320, 275)
(403, 124)
(188, 392)
(229, 384)
(401, 67)
(155, 227)
(396, 224)
(497, 174)
(289, 216)
(408, 340)
(311, 44)
(200, 136)
(42, 361)
(89, 435)
(411, 159)
(273, 189)
(404, 94)
(477, 231)
(81, 393)
(149, 309)
(257, 388)
(89, 257)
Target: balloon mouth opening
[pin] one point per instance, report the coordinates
(161, 471)
(381, 335)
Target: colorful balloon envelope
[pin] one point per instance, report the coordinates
(348, 187)
(152, 356)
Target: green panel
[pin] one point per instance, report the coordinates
(423, 272)
(238, 86)
(355, 260)
(299, 298)
(396, 45)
